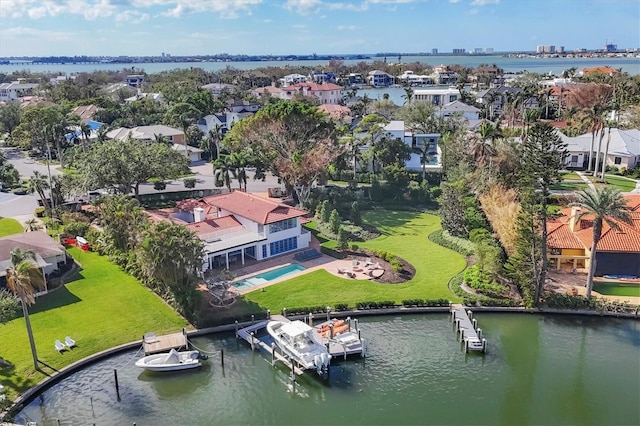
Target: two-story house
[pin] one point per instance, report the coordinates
(16, 90)
(437, 96)
(238, 226)
(377, 78)
(327, 93)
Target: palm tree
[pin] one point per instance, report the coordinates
(594, 118)
(85, 130)
(215, 137)
(222, 171)
(408, 94)
(32, 225)
(38, 183)
(605, 205)
(425, 157)
(24, 278)
(606, 152)
(238, 162)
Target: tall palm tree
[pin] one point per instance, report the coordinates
(222, 171)
(38, 183)
(605, 205)
(606, 152)
(238, 162)
(215, 137)
(408, 94)
(24, 278)
(85, 130)
(425, 157)
(594, 117)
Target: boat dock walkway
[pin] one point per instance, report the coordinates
(153, 344)
(340, 346)
(467, 329)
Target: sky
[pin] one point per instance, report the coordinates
(324, 27)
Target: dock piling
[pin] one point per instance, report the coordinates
(475, 324)
(268, 314)
(115, 376)
(252, 342)
(253, 319)
(222, 357)
(310, 319)
(236, 329)
(284, 312)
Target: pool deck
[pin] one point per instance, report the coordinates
(359, 271)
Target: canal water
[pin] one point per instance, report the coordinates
(538, 370)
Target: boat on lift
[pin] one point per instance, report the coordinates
(298, 340)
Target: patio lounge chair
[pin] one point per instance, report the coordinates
(59, 346)
(343, 271)
(69, 342)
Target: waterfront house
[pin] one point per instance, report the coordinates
(291, 79)
(140, 95)
(352, 80)
(238, 226)
(377, 78)
(618, 253)
(217, 89)
(458, 107)
(624, 148)
(437, 96)
(442, 74)
(327, 93)
(49, 253)
(409, 78)
(15, 90)
(337, 112)
(85, 112)
(272, 92)
(321, 77)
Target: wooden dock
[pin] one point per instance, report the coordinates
(153, 344)
(467, 328)
(248, 334)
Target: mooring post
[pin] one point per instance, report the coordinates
(284, 312)
(349, 322)
(273, 353)
(331, 331)
(253, 319)
(268, 314)
(310, 319)
(115, 375)
(222, 357)
(252, 344)
(470, 314)
(475, 324)
(363, 354)
(480, 333)
(357, 325)
(236, 329)
(328, 311)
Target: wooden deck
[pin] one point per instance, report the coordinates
(164, 343)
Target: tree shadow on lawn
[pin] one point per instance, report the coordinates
(55, 299)
(241, 311)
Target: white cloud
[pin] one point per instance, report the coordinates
(303, 7)
(132, 16)
(225, 8)
(299, 26)
(484, 2)
(27, 32)
(346, 28)
(37, 9)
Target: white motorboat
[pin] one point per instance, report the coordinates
(298, 340)
(171, 361)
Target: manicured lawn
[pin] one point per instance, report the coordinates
(403, 234)
(571, 176)
(9, 226)
(103, 307)
(569, 186)
(617, 289)
(624, 185)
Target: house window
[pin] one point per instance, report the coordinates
(617, 160)
(453, 98)
(264, 251)
(283, 246)
(282, 225)
(574, 159)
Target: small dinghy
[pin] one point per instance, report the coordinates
(171, 361)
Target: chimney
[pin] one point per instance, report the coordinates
(198, 214)
(574, 223)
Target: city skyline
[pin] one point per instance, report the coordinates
(298, 27)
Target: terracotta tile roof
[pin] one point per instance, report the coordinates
(257, 209)
(190, 204)
(315, 87)
(626, 239)
(604, 70)
(211, 226)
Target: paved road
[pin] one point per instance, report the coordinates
(16, 205)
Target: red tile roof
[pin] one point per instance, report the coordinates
(257, 209)
(605, 70)
(210, 226)
(626, 239)
(315, 87)
(190, 204)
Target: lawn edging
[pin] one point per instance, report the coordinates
(30, 394)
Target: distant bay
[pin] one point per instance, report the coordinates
(509, 64)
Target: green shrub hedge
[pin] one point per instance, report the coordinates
(460, 245)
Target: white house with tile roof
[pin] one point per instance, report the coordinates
(236, 226)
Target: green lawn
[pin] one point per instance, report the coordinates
(617, 289)
(622, 184)
(9, 226)
(103, 307)
(403, 234)
(571, 176)
(569, 186)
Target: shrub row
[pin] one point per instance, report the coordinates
(566, 301)
(427, 302)
(444, 239)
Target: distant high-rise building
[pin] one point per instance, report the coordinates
(477, 50)
(609, 47)
(163, 54)
(547, 48)
(434, 51)
(489, 50)
(560, 49)
(539, 49)
(459, 51)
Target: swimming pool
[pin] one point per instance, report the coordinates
(264, 277)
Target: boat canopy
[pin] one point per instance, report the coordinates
(295, 328)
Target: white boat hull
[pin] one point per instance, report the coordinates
(296, 339)
(172, 361)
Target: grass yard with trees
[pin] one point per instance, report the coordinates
(404, 234)
(9, 226)
(100, 308)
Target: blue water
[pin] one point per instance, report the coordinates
(258, 279)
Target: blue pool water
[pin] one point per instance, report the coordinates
(258, 279)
